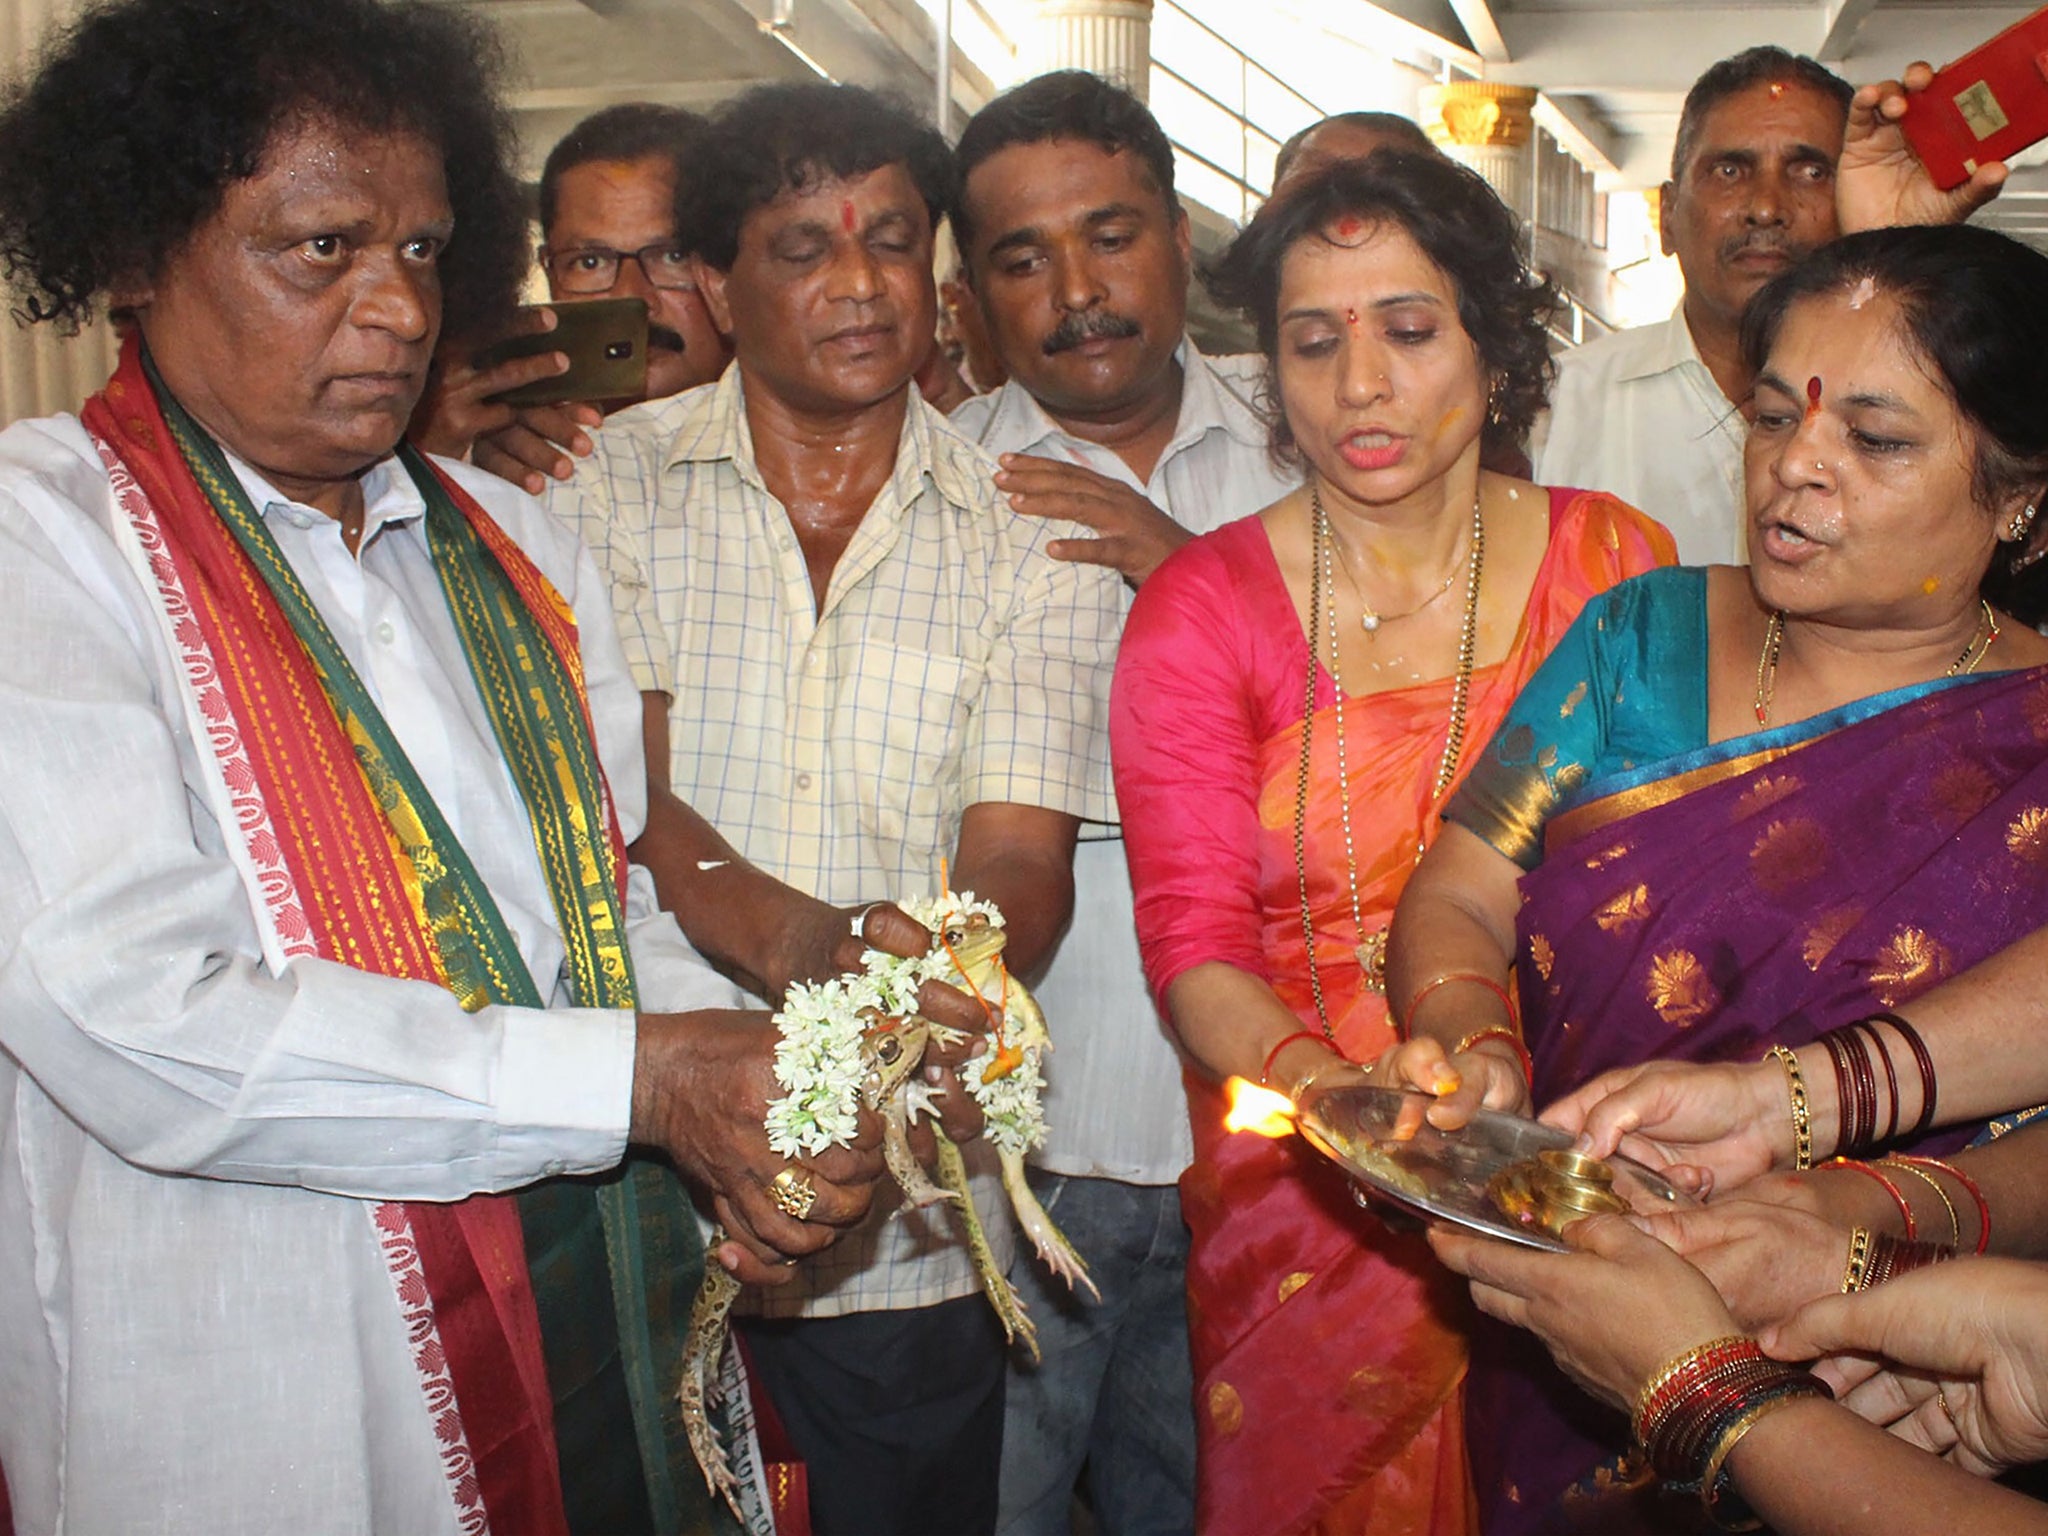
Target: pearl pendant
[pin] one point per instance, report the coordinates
(1371, 622)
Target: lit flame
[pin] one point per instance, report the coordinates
(1257, 1109)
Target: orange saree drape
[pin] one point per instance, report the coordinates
(1328, 1349)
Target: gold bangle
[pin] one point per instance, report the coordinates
(1859, 1260)
(1802, 1111)
(1725, 1447)
(1955, 1222)
(1677, 1363)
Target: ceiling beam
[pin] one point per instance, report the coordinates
(1477, 18)
(1841, 21)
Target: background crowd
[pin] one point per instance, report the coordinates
(413, 806)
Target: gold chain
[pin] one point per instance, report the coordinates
(1370, 619)
(1322, 589)
(1774, 637)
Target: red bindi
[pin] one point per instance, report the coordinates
(1349, 226)
(847, 218)
(1351, 317)
(1813, 397)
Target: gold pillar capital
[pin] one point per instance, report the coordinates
(1478, 114)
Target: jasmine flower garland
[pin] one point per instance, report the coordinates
(819, 1062)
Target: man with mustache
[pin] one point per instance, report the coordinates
(861, 669)
(608, 231)
(1078, 255)
(1775, 155)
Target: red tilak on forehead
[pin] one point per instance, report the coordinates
(1349, 226)
(1813, 396)
(1777, 89)
(847, 218)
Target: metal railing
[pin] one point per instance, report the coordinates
(1245, 129)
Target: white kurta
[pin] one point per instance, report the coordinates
(1638, 415)
(198, 1327)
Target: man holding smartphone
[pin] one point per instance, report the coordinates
(608, 231)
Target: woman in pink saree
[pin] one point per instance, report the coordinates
(1740, 809)
(1283, 738)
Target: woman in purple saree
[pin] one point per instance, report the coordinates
(1736, 810)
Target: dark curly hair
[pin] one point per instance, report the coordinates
(790, 137)
(1975, 305)
(1460, 225)
(1070, 104)
(125, 140)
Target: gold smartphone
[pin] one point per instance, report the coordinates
(606, 341)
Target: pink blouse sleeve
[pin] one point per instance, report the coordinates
(1184, 745)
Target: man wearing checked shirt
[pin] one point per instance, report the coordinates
(856, 663)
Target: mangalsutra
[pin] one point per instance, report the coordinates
(1371, 950)
(1971, 658)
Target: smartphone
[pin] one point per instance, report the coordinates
(1988, 105)
(606, 340)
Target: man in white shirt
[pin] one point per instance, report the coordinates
(1078, 255)
(1760, 175)
(318, 928)
(861, 670)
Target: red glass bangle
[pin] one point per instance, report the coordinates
(1499, 991)
(1266, 1072)
(1847, 1127)
(1891, 1076)
(1502, 1032)
(1898, 1195)
(1968, 1183)
(1924, 1060)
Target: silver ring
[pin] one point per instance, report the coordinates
(860, 919)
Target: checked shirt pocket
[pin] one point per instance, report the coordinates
(907, 725)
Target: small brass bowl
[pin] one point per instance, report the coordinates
(1576, 1167)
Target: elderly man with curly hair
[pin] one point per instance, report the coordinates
(317, 933)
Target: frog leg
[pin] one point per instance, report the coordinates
(995, 1284)
(1054, 1251)
(703, 1347)
(904, 1167)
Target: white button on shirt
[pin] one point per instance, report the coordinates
(1638, 415)
(197, 1323)
(1114, 1105)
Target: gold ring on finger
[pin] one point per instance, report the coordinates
(1947, 1412)
(793, 1193)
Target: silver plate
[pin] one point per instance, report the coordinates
(1443, 1175)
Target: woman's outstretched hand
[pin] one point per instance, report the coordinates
(1611, 1312)
(1705, 1127)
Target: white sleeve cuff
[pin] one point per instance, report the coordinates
(565, 1090)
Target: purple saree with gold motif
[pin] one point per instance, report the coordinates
(1711, 903)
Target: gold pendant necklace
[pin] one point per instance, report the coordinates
(1370, 618)
(1971, 658)
(1371, 950)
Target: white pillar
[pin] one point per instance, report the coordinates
(42, 370)
(1111, 38)
(1488, 127)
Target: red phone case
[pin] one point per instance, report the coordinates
(1991, 103)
